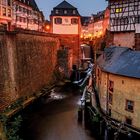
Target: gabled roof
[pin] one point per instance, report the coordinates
(121, 61)
(65, 5)
(85, 20)
(34, 5)
(31, 3)
(62, 7)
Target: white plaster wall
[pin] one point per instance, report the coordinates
(66, 27)
(124, 39)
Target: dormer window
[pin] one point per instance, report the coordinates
(74, 11)
(56, 11)
(65, 11)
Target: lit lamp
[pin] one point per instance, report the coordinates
(81, 36)
(47, 28)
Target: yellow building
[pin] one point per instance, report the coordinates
(118, 84)
(5, 14)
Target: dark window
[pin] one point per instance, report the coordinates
(129, 105)
(109, 112)
(24, 20)
(20, 19)
(20, 8)
(58, 20)
(111, 86)
(122, 21)
(129, 121)
(137, 19)
(126, 21)
(98, 72)
(136, 7)
(9, 12)
(9, 2)
(74, 21)
(4, 11)
(110, 98)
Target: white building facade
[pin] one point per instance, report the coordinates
(65, 19)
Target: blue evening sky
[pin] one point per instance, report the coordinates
(85, 7)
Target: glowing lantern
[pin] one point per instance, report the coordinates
(47, 27)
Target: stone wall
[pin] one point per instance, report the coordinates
(27, 63)
(4, 72)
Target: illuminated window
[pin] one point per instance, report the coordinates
(118, 10)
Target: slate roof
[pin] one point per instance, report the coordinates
(85, 20)
(32, 3)
(121, 61)
(65, 5)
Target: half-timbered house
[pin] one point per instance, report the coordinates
(26, 15)
(125, 22)
(5, 14)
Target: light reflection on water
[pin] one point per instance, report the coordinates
(55, 95)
